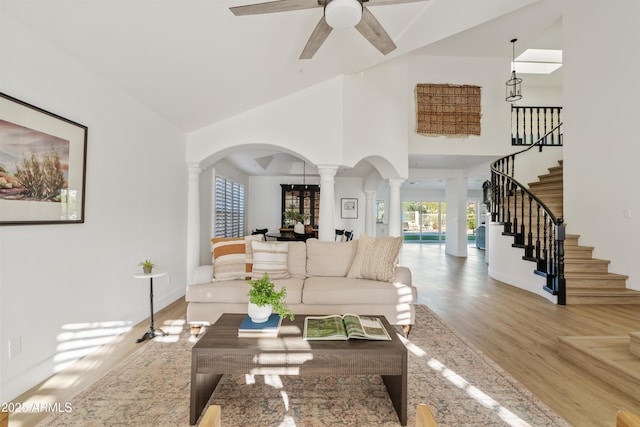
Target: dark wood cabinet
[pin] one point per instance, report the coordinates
(301, 198)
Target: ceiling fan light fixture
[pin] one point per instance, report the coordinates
(343, 13)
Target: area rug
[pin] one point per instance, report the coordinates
(461, 385)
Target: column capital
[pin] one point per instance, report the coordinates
(327, 170)
(194, 168)
(396, 182)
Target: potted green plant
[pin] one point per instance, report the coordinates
(264, 299)
(293, 217)
(147, 266)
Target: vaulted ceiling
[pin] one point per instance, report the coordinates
(195, 63)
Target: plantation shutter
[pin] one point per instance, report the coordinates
(229, 216)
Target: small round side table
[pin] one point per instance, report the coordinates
(152, 332)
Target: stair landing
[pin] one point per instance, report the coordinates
(613, 359)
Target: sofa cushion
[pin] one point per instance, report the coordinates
(235, 291)
(342, 290)
(271, 258)
(297, 261)
(332, 259)
(232, 257)
(376, 258)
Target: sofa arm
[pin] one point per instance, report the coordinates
(203, 274)
(403, 275)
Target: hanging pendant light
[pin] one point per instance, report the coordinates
(514, 84)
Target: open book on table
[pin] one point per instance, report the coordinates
(344, 327)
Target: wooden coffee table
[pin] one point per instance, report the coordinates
(219, 351)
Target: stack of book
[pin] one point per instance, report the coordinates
(268, 329)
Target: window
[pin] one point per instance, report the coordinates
(379, 211)
(229, 219)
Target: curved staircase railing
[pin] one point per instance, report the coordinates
(529, 220)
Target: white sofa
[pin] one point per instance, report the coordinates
(317, 284)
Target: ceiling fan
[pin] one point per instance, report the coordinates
(337, 14)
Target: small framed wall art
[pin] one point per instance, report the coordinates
(42, 166)
(349, 208)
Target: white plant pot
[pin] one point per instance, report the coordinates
(298, 228)
(259, 314)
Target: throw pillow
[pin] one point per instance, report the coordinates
(271, 258)
(233, 257)
(229, 258)
(376, 258)
(249, 252)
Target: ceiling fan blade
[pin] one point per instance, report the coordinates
(275, 6)
(388, 2)
(319, 35)
(373, 31)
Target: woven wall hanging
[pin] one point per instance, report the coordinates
(446, 109)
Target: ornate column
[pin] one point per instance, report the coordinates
(327, 222)
(395, 207)
(193, 219)
(370, 213)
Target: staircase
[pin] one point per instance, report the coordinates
(588, 280)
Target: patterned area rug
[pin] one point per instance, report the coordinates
(461, 385)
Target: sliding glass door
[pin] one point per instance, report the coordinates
(424, 221)
(427, 221)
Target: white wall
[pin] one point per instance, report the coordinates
(601, 109)
(539, 96)
(507, 265)
(54, 278)
(308, 123)
(351, 188)
(376, 117)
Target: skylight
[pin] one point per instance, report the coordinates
(538, 61)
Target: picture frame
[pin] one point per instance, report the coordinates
(349, 208)
(43, 160)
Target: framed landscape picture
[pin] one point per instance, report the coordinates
(42, 166)
(349, 208)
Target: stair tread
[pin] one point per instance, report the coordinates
(595, 276)
(603, 292)
(578, 247)
(586, 260)
(551, 177)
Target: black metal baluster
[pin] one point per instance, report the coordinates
(518, 135)
(530, 125)
(528, 252)
(545, 120)
(538, 124)
(514, 230)
(538, 231)
(560, 279)
(550, 269)
(542, 262)
(522, 223)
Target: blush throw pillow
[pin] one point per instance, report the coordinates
(271, 258)
(376, 258)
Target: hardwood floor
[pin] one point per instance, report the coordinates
(61, 387)
(516, 329)
(519, 330)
